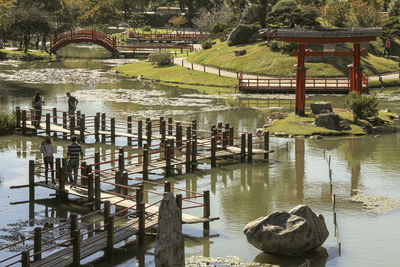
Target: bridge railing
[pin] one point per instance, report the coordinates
(170, 36)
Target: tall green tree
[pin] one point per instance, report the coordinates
(394, 8)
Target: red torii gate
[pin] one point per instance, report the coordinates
(327, 36)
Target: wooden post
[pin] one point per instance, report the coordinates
(78, 119)
(148, 133)
(90, 183)
(243, 147)
(117, 182)
(33, 116)
(107, 210)
(188, 153)
(55, 119)
(179, 203)
(194, 153)
(82, 127)
(109, 228)
(129, 126)
(188, 134)
(206, 212)
(249, 147)
(83, 173)
(76, 248)
(97, 164)
(97, 127)
(121, 159)
(65, 126)
(145, 163)
(73, 218)
(169, 126)
(231, 136)
(178, 133)
(194, 128)
(162, 132)
(37, 244)
(103, 126)
(23, 121)
(97, 192)
(48, 123)
(224, 140)
(140, 133)
(167, 186)
(25, 259)
(139, 197)
(72, 125)
(18, 116)
(213, 151)
(113, 130)
(142, 229)
(124, 182)
(168, 161)
(31, 180)
(58, 166)
(266, 144)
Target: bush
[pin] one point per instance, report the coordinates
(206, 44)
(161, 58)
(283, 47)
(178, 21)
(8, 122)
(241, 34)
(147, 28)
(362, 105)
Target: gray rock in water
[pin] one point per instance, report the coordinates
(320, 107)
(332, 121)
(288, 233)
(170, 248)
(240, 52)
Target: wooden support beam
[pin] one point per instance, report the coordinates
(163, 132)
(213, 151)
(139, 197)
(112, 130)
(145, 163)
(194, 153)
(25, 259)
(179, 203)
(121, 159)
(83, 173)
(231, 136)
(48, 122)
(23, 121)
(90, 184)
(168, 161)
(140, 133)
(142, 228)
(167, 186)
(249, 147)
(178, 134)
(18, 116)
(170, 126)
(188, 163)
(117, 182)
(72, 125)
(109, 228)
(206, 212)
(37, 244)
(124, 182)
(129, 129)
(97, 192)
(76, 248)
(149, 132)
(31, 180)
(55, 119)
(97, 126)
(103, 126)
(82, 128)
(65, 123)
(266, 144)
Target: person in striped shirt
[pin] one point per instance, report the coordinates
(74, 150)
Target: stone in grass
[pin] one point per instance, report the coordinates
(240, 52)
(170, 247)
(321, 107)
(332, 121)
(288, 233)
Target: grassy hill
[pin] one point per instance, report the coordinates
(261, 60)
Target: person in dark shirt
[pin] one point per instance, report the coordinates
(37, 102)
(72, 103)
(74, 150)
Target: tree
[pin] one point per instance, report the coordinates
(287, 13)
(206, 19)
(336, 13)
(26, 23)
(363, 14)
(101, 12)
(394, 8)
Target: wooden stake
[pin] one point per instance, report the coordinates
(25, 259)
(249, 147)
(97, 126)
(55, 116)
(97, 192)
(194, 153)
(90, 183)
(231, 136)
(206, 212)
(83, 173)
(168, 161)
(82, 128)
(169, 126)
(121, 159)
(167, 186)
(266, 144)
(188, 163)
(163, 132)
(31, 180)
(124, 182)
(23, 121)
(48, 123)
(72, 125)
(97, 164)
(37, 244)
(113, 130)
(148, 133)
(65, 122)
(142, 229)
(129, 127)
(76, 248)
(213, 151)
(107, 210)
(178, 136)
(109, 228)
(179, 203)
(103, 127)
(145, 163)
(140, 133)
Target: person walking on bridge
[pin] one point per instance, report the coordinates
(37, 102)
(72, 103)
(74, 150)
(47, 150)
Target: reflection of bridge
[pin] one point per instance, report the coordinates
(110, 43)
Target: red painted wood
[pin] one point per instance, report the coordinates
(331, 40)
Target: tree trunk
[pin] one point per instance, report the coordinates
(27, 39)
(44, 39)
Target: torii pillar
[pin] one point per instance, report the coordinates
(327, 36)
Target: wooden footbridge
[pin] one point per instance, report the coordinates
(111, 43)
(288, 85)
(121, 182)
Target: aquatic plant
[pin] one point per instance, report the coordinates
(7, 123)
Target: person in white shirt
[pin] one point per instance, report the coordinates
(47, 150)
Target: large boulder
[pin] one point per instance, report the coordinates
(321, 107)
(170, 248)
(241, 34)
(240, 52)
(288, 233)
(332, 121)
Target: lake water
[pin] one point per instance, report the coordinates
(297, 173)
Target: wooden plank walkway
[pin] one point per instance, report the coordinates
(119, 201)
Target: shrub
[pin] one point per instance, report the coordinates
(206, 44)
(283, 47)
(161, 58)
(8, 122)
(241, 34)
(147, 28)
(362, 105)
(178, 21)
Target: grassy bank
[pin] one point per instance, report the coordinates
(304, 126)
(7, 123)
(259, 59)
(180, 76)
(6, 54)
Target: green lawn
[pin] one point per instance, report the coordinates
(261, 60)
(180, 76)
(6, 54)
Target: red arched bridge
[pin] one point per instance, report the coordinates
(78, 36)
(110, 43)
